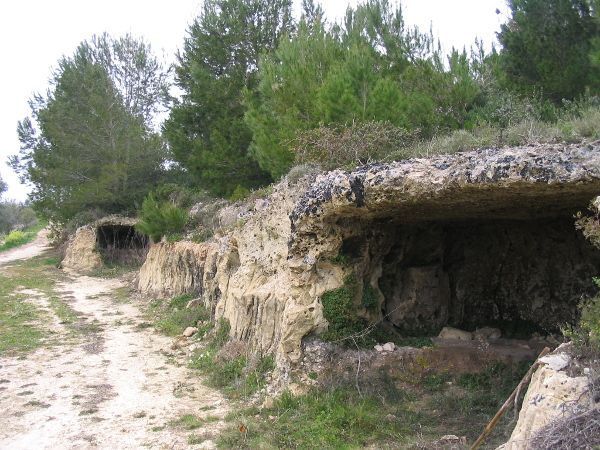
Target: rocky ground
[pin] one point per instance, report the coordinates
(116, 385)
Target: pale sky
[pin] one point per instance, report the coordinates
(34, 34)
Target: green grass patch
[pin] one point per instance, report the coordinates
(188, 422)
(338, 419)
(62, 310)
(21, 320)
(171, 317)
(17, 238)
(194, 440)
(336, 415)
(236, 375)
(17, 330)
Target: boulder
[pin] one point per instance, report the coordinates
(189, 331)
(455, 333)
(486, 333)
(552, 394)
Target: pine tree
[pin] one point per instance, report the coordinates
(90, 145)
(546, 46)
(206, 129)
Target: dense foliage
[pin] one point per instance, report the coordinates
(15, 216)
(546, 47)
(159, 218)
(261, 92)
(90, 144)
(206, 129)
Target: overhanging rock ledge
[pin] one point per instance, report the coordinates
(452, 240)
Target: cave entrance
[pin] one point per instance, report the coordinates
(121, 244)
(517, 275)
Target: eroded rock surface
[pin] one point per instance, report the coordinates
(461, 240)
(553, 394)
(82, 252)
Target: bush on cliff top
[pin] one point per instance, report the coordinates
(159, 218)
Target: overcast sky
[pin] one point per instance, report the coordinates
(34, 34)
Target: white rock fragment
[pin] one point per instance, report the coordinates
(556, 362)
(389, 347)
(379, 348)
(455, 333)
(189, 331)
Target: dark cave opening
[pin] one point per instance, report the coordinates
(122, 244)
(474, 273)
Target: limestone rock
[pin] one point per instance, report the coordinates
(486, 333)
(82, 253)
(189, 331)
(551, 395)
(388, 347)
(455, 333)
(174, 269)
(454, 239)
(557, 361)
(194, 303)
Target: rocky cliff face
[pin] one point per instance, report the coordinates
(462, 240)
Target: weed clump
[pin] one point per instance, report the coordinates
(586, 335)
(172, 317)
(231, 367)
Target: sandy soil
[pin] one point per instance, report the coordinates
(119, 385)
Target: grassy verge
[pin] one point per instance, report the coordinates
(17, 238)
(20, 320)
(382, 417)
(172, 317)
(381, 410)
(228, 366)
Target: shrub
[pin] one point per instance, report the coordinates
(159, 218)
(340, 146)
(14, 238)
(15, 216)
(239, 194)
(340, 311)
(586, 336)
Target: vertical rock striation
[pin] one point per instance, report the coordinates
(455, 239)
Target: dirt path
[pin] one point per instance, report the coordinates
(34, 248)
(119, 386)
